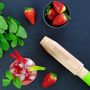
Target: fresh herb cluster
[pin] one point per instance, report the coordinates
(11, 32)
(9, 78)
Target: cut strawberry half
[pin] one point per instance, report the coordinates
(21, 70)
(59, 6)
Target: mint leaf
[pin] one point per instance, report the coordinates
(20, 42)
(6, 82)
(21, 32)
(37, 68)
(9, 75)
(18, 23)
(12, 25)
(4, 43)
(1, 53)
(3, 23)
(14, 43)
(1, 6)
(2, 31)
(17, 82)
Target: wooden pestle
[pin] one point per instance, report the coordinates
(66, 59)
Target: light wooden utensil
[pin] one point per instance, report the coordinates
(66, 59)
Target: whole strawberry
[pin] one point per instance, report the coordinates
(30, 14)
(59, 6)
(51, 13)
(49, 80)
(60, 19)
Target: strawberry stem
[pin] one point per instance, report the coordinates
(47, 10)
(68, 17)
(53, 74)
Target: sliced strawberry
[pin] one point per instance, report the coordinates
(60, 19)
(51, 14)
(59, 6)
(30, 14)
(49, 80)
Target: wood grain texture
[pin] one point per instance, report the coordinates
(64, 57)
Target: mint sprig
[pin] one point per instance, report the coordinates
(9, 78)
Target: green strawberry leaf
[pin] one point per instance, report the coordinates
(17, 82)
(9, 75)
(6, 82)
(3, 23)
(12, 25)
(47, 10)
(37, 68)
(1, 6)
(2, 31)
(20, 42)
(21, 32)
(1, 53)
(4, 43)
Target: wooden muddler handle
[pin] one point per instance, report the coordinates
(66, 59)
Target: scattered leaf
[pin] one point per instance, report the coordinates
(3, 23)
(2, 31)
(6, 82)
(12, 25)
(1, 6)
(21, 32)
(4, 43)
(20, 42)
(17, 82)
(1, 53)
(9, 75)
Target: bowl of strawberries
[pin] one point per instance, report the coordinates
(56, 14)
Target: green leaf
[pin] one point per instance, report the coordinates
(12, 25)
(21, 32)
(4, 43)
(9, 75)
(17, 82)
(10, 36)
(1, 6)
(14, 43)
(3, 23)
(1, 53)
(20, 42)
(47, 10)
(1, 31)
(37, 68)
(6, 82)
(18, 23)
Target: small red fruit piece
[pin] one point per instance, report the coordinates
(49, 80)
(59, 6)
(51, 14)
(30, 14)
(60, 19)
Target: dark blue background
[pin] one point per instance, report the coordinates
(75, 37)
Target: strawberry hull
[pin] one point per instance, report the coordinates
(21, 70)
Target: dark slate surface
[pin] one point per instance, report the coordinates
(75, 38)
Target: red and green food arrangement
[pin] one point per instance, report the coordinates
(23, 71)
(12, 32)
(56, 14)
(49, 80)
(30, 14)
